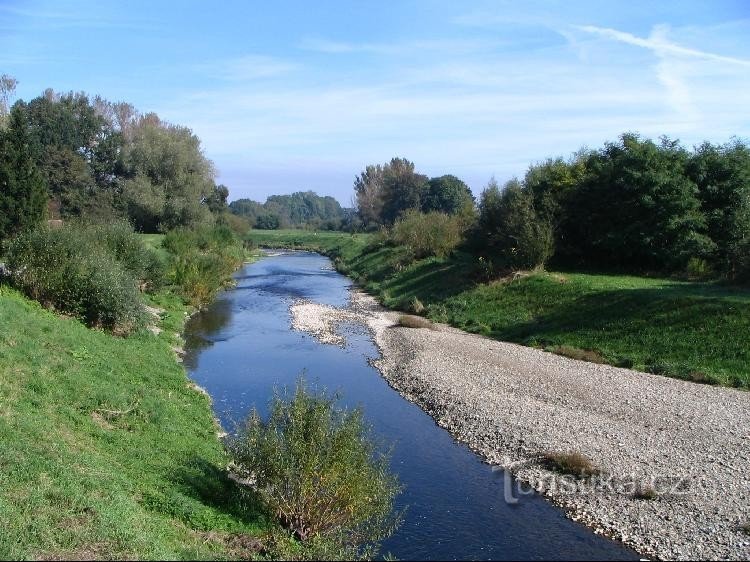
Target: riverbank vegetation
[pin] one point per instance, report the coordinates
(647, 246)
(112, 231)
(690, 330)
(318, 469)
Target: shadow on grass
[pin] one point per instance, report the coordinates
(211, 486)
(676, 330)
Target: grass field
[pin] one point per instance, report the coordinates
(105, 450)
(695, 331)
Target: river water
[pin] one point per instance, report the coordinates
(243, 347)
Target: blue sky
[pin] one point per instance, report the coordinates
(291, 96)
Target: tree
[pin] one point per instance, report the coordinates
(23, 197)
(446, 194)
(267, 221)
(368, 193)
(509, 228)
(217, 201)
(635, 209)
(722, 174)
(7, 89)
(403, 189)
(170, 159)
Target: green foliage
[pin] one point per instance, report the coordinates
(427, 234)
(77, 271)
(722, 174)
(81, 482)
(635, 209)
(267, 221)
(318, 469)
(23, 198)
(170, 167)
(510, 230)
(446, 194)
(635, 322)
(201, 261)
(301, 210)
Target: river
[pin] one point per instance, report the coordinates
(243, 347)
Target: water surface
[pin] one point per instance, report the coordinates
(242, 347)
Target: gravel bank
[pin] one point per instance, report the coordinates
(688, 442)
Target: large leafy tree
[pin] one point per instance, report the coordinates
(403, 189)
(722, 174)
(23, 197)
(446, 194)
(510, 232)
(635, 209)
(166, 167)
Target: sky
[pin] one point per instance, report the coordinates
(297, 95)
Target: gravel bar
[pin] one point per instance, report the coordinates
(687, 444)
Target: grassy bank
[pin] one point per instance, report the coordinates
(695, 331)
(106, 450)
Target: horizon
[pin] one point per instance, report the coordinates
(284, 100)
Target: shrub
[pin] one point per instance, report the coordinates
(416, 306)
(318, 469)
(202, 261)
(427, 234)
(409, 321)
(572, 463)
(645, 492)
(69, 270)
(588, 355)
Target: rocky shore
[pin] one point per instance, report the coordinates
(673, 456)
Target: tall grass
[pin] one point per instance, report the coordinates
(202, 261)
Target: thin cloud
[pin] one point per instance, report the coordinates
(658, 43)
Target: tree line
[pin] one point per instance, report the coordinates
(302, 209)
(68, 156)
(634, 205)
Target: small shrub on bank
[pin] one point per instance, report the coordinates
(645, 492)
(73, 272)
(575, 464)
(416, 306)
(318, 470)
(409, 321)
(202, 261)
(588, 355)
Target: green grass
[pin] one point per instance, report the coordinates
(694, 331)
(105, 450)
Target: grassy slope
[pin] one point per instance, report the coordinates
(78, 481)
(697, 331)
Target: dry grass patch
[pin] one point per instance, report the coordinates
(410, 321)
(588, 355)
(645, 492)
(573, 463)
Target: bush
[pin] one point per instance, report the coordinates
(427, 234)
(409, 321)
(73, 272)
(573, 463)
(318, 470)
(202, 261)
